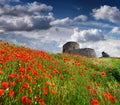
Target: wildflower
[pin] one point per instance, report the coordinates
(36, 98)
(22, 90)
(95, 102)
(41, 100)
(110, 97)
(99, 85)
(26, 85)
(66, 71)
(53, 72)
(26, 100)
(20, 79)
(5, 85)
(13, 75)
(45, 92)
(103, 73)
(72, 72)
(34, 83)
(11, 94)
(92, 92)
(1, 92)
(72, 78)
(53, 92)
(53, 85)
(29, 77)
(1, 72)
(22, 70)
(86, 68)
(41, 77)
(44, 103)
(89, 87)
(47, 83)
(45, 89)
(35, 73)
(13, 83)
(49, 76)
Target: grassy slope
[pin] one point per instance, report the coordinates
(37, 78)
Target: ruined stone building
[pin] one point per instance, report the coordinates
(73, 48)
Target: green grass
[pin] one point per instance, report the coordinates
(40, 78)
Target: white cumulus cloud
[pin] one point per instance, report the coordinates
(80, 18)
(115, 30)
(106, 12)
(28, 17)
(25, 23)
(67, 20)
(63, 21)
(28, 9)
(87, 35)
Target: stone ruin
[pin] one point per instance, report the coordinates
(73, 48)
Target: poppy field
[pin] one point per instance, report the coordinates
(32, 77)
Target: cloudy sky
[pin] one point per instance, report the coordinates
(48, 24)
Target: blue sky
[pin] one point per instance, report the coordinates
(48, 24)
(72, 8)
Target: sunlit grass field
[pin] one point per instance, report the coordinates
(38, 78)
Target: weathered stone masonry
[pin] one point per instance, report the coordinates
(73, 48)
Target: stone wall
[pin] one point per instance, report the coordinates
(70, 46)
(88, 52)
(73, 48)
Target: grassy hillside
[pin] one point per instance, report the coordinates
(38, 78)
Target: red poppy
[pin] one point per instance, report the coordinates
(41, 100)
(53, 92)
(72, 79)
(26, 85)
(86, 68)
(1, 72)
(1, 92)
(36, 98)
(5, 85)
(46, 88)
(21, 78)
(11, 94)
(47, 83)
(110, 97)
(34, 83)
(13, 83)
(89, 87)
(103, 73)
(95, 102)
(22, 70)
(53, 85)
(13, 75)
(44, 103)
(22, 90)
(35, 73)
(29, 77)
(26, 100)
(45, 93)
(92, 91)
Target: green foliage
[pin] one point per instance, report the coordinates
(116, 74)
